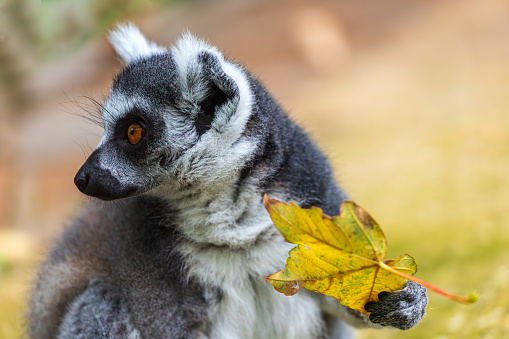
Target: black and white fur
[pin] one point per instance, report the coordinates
(183, 250)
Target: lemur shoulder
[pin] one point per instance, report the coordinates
(180, 243)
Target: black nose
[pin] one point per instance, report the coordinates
(100, 183)
(81, 180)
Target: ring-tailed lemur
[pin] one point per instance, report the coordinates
(191, 143)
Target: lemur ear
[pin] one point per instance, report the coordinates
(131, 45)
(221, 92)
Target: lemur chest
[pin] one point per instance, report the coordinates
(250, 307)
(235, 245)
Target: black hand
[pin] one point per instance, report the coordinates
(401, 309)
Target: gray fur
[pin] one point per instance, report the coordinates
(402, 309)
(182, 250)
(130, 277)
(97, 313)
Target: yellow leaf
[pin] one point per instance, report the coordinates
(342, 257)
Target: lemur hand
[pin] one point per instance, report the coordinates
(401, 309)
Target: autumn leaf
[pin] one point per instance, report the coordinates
(342, 257)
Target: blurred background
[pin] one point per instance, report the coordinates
(409, 99)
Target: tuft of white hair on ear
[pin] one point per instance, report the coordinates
(131, 45)
(186, 50)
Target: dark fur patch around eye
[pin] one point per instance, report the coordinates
(215, 98)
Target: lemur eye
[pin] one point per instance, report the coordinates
(134, 133)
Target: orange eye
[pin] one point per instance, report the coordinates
(134, 133)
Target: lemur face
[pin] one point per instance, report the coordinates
(174, 118)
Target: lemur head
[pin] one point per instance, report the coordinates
(174, 118)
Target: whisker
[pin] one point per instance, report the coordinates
(82, 149)
(92, 111)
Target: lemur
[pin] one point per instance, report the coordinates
(178, 241)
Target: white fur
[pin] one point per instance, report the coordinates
(250, 307)
(185, 54)
(131, 45)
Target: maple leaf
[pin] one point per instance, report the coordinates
(342, 256)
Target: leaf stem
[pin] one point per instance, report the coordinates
(473, 297)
